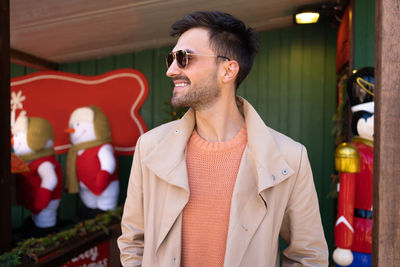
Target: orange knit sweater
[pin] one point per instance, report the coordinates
(212, 169)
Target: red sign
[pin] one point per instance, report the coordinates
(97, 256)
(54, 95)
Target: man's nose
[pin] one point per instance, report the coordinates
(173, 69)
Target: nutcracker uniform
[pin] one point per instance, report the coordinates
(354, 162)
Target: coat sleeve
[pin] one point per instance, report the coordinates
(131, 241)
(302, 228)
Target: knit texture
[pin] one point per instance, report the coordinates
(212, 170)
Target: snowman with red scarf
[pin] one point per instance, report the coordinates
(40, 189)
(91, 163)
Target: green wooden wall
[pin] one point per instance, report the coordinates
(364, 33)
(292, 86)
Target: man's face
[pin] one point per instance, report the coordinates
(196, 85)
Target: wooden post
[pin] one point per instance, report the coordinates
(386, 218)
(5, 173)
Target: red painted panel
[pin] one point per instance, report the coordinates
(54, 95)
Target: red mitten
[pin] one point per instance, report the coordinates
(42, 199)
(102, 181)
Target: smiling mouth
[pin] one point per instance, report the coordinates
(181, 84)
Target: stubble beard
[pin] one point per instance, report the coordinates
(198, 96)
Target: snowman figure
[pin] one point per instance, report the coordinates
(40, 189)
(91, 163)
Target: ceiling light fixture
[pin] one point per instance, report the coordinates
(318, 12)
(307, 17)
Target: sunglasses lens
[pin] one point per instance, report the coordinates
(170, 59)
(181, 58)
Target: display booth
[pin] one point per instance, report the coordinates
(72, 127)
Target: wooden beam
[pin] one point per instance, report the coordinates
(5, 149)
(386, 218)
(22, 58)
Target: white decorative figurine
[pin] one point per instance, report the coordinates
(40, 189)
(91, 162)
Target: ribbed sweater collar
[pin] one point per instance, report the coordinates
(238, 139)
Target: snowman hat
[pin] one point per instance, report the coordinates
(38, 131)
(92, 114)
(83, 114)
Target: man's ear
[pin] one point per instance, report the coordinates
(230, 70)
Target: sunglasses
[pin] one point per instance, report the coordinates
(182, 58)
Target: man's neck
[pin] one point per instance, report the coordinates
(220, 122)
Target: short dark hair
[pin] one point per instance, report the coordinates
(228, 37)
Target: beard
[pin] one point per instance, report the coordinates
(198, 96)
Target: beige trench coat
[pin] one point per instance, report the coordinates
(274, 195)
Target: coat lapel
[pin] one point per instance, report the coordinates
(168, 162)
(247, 212)
(262, 167)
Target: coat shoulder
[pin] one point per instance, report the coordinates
(284, 141)
(289, 148)
(154, 136)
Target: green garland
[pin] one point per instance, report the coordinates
(341, 129)
(29, 250)
(342, 116)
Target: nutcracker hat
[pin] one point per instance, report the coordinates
(38, 131)
(360, 90)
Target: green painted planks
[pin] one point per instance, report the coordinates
(124, 61)
(364, 33)
(284, 92)
(106, 64)
(262, 75)
(273, 79)
(163, 84)
(295, 78)
(143, 63)
(88, 67)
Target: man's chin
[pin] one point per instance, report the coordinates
(178, 104)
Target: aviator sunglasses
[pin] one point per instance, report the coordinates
(182, 58)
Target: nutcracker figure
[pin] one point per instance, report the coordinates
(354, 162)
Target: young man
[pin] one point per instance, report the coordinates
(218, 187)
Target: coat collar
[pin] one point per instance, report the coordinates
(168, 158)
(268, 160)
(262, 166)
